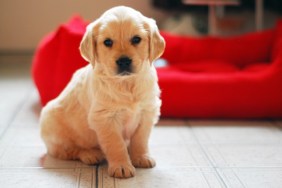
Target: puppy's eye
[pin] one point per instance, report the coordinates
(108, 43)
(135, 40)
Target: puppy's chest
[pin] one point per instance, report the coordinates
(132, 113)
(130, 124)
(130, 119)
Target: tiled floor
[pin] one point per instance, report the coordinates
(189, 153)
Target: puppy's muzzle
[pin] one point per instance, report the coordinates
(124, 65)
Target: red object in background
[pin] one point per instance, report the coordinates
(209, 77)
(57, 58)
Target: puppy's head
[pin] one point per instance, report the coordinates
(122, 42)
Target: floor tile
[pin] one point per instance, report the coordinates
(35, 178)
(26, 157)
(230, 178)
(29, 113)
(19, 157)
(260, 178)
(168, 141)
(23, 136)
(164, 178)
(233, 155)
(252, 177)
(169, 135)
(3, 128)
(239, 132)
(11, 101)
(14, 87)
(179, 156)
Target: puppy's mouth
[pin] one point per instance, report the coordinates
(124, 73)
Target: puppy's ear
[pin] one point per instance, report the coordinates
(156, 41)
(88, 43)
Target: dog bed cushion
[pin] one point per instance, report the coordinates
(209, 77)
(57, 58)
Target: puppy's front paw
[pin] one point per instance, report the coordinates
(143, 161)
(121, 170)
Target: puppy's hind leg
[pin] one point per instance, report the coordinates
(88, 156)
(91, 156)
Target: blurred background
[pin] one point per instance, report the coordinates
(24, 23)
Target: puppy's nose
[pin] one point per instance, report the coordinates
(124, 62)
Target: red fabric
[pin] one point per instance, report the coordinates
(56, 59)
(251, 93)
(239, 50)
(209, 77)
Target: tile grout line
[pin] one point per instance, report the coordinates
(202, 174)
(224, 176)
(205, 178)
(78, 178)
(232, 169)
(93, 176)
(207, 156)
(242, 183)
(97, 176)
(201, 146)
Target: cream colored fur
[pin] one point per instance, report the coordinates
(101, 114)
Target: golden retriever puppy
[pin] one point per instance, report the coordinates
(109, 107)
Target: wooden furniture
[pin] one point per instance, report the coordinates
(212, 11)
(259, 14)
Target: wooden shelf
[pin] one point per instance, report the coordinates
(212, 13)
(211, 2)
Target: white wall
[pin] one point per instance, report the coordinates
(24, 22)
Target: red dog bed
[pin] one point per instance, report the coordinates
(210, 77)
